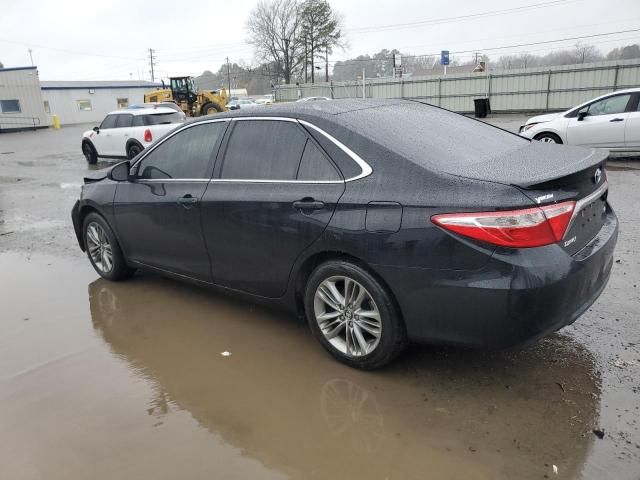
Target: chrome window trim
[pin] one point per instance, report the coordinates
(365, 168)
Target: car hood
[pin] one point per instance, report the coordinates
(543, 118)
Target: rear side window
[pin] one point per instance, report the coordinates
(163, 118)
(264, 150)
(109, 122)
(186, 154)
(138, 121)
(124, 121)
(314, 166)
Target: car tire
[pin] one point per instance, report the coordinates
(548, 137)
(210, 108)
(133, 150)
(89, 153)
(360, 341)
(103, 249)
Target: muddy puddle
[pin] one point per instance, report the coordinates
(152, 378)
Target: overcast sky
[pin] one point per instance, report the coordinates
(107, 40)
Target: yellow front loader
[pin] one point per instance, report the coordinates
(193, 103)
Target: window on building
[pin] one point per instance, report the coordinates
(84, 105)
(10, 106)
(123, 102)
(47, 108)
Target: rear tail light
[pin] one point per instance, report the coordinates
(530, 227)
(147, 135)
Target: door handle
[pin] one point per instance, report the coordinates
(617, 120)
(308, 203)
(187, 201)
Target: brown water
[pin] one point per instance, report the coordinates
(104, 380)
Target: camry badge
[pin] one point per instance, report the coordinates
(597, 176)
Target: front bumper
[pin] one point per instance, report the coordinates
(520, 295)
(75, 218)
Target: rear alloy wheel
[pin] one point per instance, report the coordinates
(548, 138)
(89, 153)
(133, 151)
(103, 249)
(353, 316)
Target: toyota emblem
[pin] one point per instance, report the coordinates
(597, 176)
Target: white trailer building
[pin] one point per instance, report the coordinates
(89, 101)
(21, 103)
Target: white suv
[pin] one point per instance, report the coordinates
(125, 133)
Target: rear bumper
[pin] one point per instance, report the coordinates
(519, 296)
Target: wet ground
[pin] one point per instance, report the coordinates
(153, 378)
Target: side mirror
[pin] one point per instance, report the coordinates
(120, 172)
(581, 115)
(96, 129)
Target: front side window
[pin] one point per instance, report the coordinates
(609, 106)
(124, 121)
(109, 122)
(186, 154)
(264, 150)
(123, 102)
(84, 105)
(10, 106)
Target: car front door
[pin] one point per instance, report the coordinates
(120, 134)
(158, 212)
(601, 123)
(272, 196)
(632, 126)
(103, 138)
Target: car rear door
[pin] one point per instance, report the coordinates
(603, 125)
(632, 125)
(273, 194)
(158, 212)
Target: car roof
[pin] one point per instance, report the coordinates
(144, 111)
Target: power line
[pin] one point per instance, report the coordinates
(458, 18)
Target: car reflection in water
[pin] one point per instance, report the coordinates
(283, 402)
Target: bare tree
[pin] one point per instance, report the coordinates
(586, 53)
(274, 30)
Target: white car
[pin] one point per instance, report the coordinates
(125, 133)
(611, 121)
(313, 99)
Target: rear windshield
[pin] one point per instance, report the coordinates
(163, 118)
(432, 137)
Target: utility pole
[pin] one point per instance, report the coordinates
(364, 94)
(306, 60)
(31, 56)
(152, 63)
(228, 77)
(326, 65)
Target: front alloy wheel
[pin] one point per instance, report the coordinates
(347, 316)
(99, 247)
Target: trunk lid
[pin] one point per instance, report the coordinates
(549, 174)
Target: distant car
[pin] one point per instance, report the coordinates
(241, 103)
(382, 221)
(313, 99)
(125, 133)
(264, 101)
(611, 121)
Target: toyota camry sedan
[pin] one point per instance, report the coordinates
(380, 221)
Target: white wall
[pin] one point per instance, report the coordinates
(64, 102)
(22, 85)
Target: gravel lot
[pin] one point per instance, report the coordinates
(101, 380)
